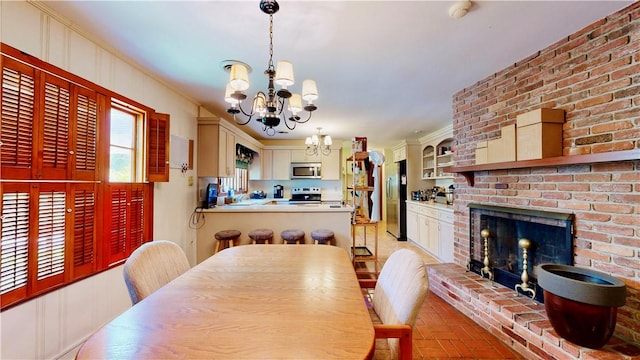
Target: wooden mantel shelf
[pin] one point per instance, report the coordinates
(469, 171)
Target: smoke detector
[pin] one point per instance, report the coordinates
(460, 9)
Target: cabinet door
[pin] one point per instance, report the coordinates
(429, 234)
(331, 166)
(226, 153)
(281, 164)
(208, 144)
(412, 227)
(400, 154)
(267, 164)
(445, 238)
(300, 155)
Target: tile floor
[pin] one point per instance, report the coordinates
(441, 331)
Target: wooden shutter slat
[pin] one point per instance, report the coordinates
(158, 148)
(51, 234)
(86, 132)
(18, 89)
(118, 221)
(56, 125)
(136, 217)
(15, 240)
(84, 242)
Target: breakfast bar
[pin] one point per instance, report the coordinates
(248, 302)
(274, 215)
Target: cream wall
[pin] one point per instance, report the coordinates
(50, 325)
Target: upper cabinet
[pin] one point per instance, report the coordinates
(216, 150)
(276, 164)
(437, 154)
(300, 155)
(331, 165)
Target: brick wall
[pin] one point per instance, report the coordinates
(594, 75)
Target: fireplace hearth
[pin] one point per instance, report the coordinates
(498, 251)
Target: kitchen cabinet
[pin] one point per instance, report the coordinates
(276, 164)
(331, 165)
(445, 237)
(399, 153)
(216, 150)
(227, 154)
(437, 154)
(300, 155)
(430, 226)
(281, 164)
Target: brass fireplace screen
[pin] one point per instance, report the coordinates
(498, 251)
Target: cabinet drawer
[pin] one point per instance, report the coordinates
(430, 212)
(446, 217)
(413, 208)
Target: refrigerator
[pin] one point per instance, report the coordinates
(396, 196)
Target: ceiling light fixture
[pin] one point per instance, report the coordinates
(270, 107)
(460, 9)
(314, 145)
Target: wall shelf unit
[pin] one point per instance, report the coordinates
(469, 171)
(437, 155)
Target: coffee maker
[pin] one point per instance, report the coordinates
(278, 192)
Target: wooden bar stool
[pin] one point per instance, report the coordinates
(292, 236)
(322, 236)
(226, 239)
(261, 236)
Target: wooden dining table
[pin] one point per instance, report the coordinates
(248, 302)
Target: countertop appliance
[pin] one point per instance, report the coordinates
(396, 189)
(309, 195)
(306, 170)
(278, 192)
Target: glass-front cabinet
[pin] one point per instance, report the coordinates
(437, 154)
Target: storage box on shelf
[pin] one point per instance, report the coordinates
(539, 134)
(504, 148)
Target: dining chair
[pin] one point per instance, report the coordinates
(398, 294)
(151, 266)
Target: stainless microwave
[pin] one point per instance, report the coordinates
(306, 170)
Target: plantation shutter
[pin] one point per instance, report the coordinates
(158, 148)
(84, 234)
(16, 127)
(55, 128)
(50, 254)
(15, 242)
(136, 217)
(85, 134)
(117, 223)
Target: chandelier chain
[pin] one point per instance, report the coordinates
(270, 67)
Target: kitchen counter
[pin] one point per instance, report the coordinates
(274, 214)
(433, 205)
(277, 205)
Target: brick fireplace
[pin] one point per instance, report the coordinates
(594, 76)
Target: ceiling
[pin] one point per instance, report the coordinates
(385, 70)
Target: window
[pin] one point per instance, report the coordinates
(64, 217)
(240, 182)
(124, 138)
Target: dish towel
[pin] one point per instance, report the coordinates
(377, 158)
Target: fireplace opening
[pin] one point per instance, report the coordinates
(496, 239)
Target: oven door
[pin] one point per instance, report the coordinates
(305, 170)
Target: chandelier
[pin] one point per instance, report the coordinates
(314, 145)
(273, 106)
